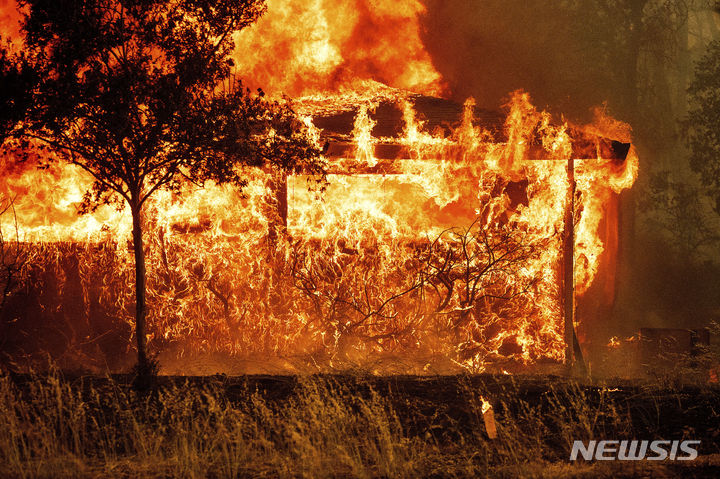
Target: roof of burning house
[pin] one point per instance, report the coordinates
(440, 117)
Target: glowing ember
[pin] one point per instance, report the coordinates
(488, 418)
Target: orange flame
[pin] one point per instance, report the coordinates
(304, 47)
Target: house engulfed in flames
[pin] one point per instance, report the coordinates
(442, 232)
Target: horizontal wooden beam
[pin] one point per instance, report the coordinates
(584, 148)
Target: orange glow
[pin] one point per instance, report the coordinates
(301, 48)
(9, 21)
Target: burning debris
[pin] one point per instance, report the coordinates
(489, 418)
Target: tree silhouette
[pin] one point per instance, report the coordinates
(141, 95)
(16, 78)
(702, 124)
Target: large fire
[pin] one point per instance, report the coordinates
(442, 241)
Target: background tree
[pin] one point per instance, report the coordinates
(141, 95)
(16, 77)
(702, 125)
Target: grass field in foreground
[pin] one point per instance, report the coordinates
(342, 426)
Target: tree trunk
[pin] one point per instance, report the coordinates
(139, 292)
(632, 65)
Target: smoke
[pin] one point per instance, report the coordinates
(486, 49)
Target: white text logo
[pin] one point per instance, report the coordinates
(635, 450)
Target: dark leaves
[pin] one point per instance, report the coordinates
(702, 124)
(17, 78)
(132, 91)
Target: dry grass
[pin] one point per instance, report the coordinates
(325, 427)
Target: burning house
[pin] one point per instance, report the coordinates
(441, 232)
